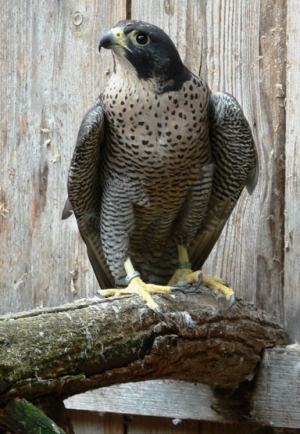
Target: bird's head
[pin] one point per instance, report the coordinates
(150, 52)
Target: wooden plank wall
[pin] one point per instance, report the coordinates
(292, 176)
(51, 74)
(93, 423)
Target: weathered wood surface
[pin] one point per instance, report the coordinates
(107, 423)
(97, 423)
(273, 398)
(292, 177)
(75, 348)
(52, 73)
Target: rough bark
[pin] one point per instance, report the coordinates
(73, 348)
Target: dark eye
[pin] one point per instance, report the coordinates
(142, 38)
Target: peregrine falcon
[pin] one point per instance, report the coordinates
(159, 164)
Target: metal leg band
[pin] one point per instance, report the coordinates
(130, 276)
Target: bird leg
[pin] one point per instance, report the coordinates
(184, 273)
(137, 286)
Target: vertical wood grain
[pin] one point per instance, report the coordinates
(218, 428)
(51, 74)
(86, 422)
(292, 179)
(272, 81)
(161, 425)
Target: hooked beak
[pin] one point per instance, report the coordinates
(113, 38)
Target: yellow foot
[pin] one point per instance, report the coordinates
(144, 290)
(184, 275)
(215, 283)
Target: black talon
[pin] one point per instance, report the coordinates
(231, 302)
(178, 288)
(199, 281)
(160, 313)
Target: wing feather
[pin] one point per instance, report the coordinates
(84, 190)
(235, 159)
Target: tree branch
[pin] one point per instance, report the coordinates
(74, 348)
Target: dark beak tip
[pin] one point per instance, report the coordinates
(101, 45)
(106, 40)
